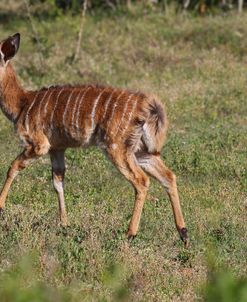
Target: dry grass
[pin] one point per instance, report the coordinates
(198, 68)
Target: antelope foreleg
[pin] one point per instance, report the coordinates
(20, 163)
(58, 171)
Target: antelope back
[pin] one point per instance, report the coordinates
(85, 114)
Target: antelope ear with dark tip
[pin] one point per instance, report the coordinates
(10, 47)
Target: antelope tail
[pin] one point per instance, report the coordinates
(154, 129)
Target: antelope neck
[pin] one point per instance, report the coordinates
(12, 94)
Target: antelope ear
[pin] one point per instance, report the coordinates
(10, 47)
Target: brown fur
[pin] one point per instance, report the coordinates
(130, 127)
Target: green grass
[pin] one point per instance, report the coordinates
(197, 66)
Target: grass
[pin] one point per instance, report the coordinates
(198, 68)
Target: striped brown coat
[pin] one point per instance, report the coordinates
(129, 126)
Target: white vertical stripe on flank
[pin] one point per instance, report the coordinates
(124, 112)
(113, 110)
(27, 115)
(40, 103)
(73, 124)
(78, 109)
(47, 102)
(52, 114)
(107, 103)
(130, 116)
(93, 115)
(94, 109)
(66, 108)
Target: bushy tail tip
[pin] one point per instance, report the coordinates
(155, 126)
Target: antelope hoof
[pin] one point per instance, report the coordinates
(130, 235)
(63, 222)
(184, 236)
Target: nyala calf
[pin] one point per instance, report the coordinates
(130, 127)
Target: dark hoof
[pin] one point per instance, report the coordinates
(184, 236)
(131, 237)
(1, 211)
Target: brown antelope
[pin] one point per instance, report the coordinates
(129, 126)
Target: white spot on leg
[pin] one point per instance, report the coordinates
(58, 185)
(114, 146)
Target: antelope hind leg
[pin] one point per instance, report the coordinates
(126, 164)
(154, 166)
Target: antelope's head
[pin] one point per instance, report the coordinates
(8, 49)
